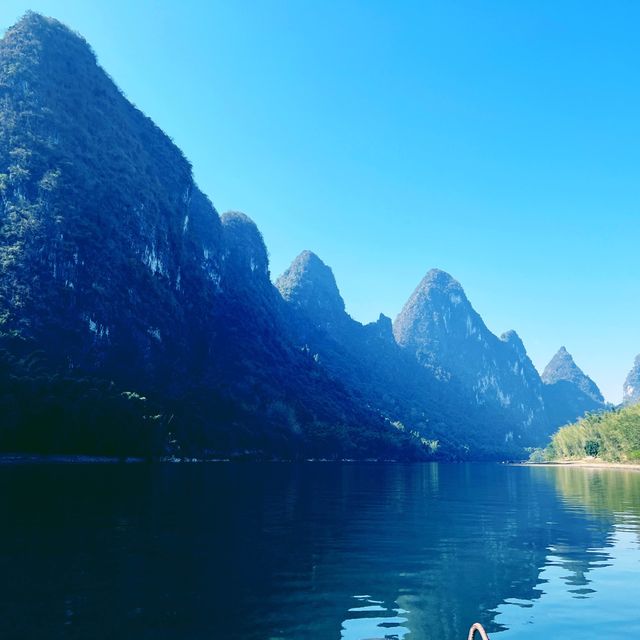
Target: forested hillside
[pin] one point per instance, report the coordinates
(135, 320)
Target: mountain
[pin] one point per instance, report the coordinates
(563, 367)
(309, 285)
(569, 393)
(115, 268)
(387, 377)
(631, 389)
(447, 336)
(135, 320)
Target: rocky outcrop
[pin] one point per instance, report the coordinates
(309, 285)
(447, 336)
(631, 389)
(569, 393)
(563, 367)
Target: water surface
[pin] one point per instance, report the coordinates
(283, 551)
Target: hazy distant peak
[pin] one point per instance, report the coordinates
(438, 279)
(562, 367)
(307, 266)
(437, 288)
(437, 296)
(310, 284)
(440, 326)
(631, 389)
(309, 260)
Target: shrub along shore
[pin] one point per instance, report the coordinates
(607, 437)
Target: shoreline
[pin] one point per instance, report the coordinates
(83, 459)
(29, 458)
(587, 463)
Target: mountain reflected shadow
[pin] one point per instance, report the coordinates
(289, 551)
(605, 493)
(604, 575)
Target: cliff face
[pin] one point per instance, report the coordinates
(104, 233)
(631, 389)
(447, 336)
(115, 265)
(395, 380)
(121, 273)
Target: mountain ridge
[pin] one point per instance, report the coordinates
(118, 268)
(563, 367)
(569, 393)
(448, 336)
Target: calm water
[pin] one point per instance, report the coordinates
(354, 551)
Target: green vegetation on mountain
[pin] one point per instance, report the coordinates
(120, 273)
(156, 328)
(613, 436)
(47, 412)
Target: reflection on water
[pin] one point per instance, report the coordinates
(610, 597)
(608, 493)
(279, 551)
(373, 621)
(605, 578)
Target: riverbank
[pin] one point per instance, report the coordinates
(585, 463)
(34, 458)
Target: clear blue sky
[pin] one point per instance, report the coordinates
(499, 141)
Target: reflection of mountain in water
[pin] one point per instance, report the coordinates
(602, 492)
(283, 551)
(604, 575)
(373, 620)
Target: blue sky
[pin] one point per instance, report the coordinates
(499, 141)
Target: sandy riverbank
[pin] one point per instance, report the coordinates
(586, 463)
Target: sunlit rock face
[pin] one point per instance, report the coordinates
(568, 392)
(631, 389)
(447, 336)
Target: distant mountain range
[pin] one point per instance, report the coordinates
(134, 320)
